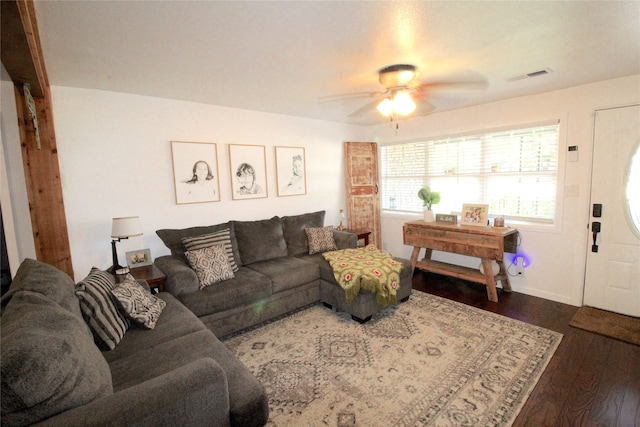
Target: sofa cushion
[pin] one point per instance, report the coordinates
(172, 238)
(36, 276)
(219, 237)
(247, 398)
(287, 273)
(176, 320)
(99, 308)
(49, 361)
(211, 264)
(138, 303)
(260, 240)
(321, 239)
(294, 234)
(246, 288)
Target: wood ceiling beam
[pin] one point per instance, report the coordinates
(20, 47)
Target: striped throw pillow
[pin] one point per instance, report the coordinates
(107, 323)
(207, 240)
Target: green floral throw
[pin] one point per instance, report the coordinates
(366, 268)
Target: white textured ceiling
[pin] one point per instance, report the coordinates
(280, 57)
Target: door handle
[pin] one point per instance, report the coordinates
(595, 229)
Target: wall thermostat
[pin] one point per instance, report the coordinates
(573, 153)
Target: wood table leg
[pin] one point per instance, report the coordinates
(490, 281)
(414, 258)
(506, 286)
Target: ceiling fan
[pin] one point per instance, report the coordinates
(403, 94)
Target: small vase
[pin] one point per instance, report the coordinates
(428, 216)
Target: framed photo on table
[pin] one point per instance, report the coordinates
(248, 171)
(139, 258)
(195, 172)
(475, 214)
(291, 171)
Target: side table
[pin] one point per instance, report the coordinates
(362, 234)
(152, 275)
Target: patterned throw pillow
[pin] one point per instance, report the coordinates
(141, 307)
(106, 321)
(320, 239)
(220, 237)
(211, 264)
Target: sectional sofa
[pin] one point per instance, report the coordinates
(275, 271)
(54, 373)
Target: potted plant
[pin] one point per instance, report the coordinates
(428, 198)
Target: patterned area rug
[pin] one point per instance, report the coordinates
(427, 362)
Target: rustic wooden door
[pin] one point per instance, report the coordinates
(363, 200)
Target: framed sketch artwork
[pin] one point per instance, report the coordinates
(291, 171)
(475, 214)
(195, 172)
(248, 171)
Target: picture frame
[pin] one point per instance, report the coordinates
(291, 171)
(475, 214)
(248, 171)
(139, 258)
(447, 219)
(195, 172)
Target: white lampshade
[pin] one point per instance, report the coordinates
(126, 227)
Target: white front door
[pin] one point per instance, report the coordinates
(612, 280)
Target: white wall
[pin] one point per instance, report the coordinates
(115, 160)
(558, 253)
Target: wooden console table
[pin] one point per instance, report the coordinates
(486, 243)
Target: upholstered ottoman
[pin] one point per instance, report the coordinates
(364, 305)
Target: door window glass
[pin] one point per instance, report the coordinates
(633, 190)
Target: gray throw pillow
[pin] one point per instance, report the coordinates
(220, 237)
(98, 305)
(140, 306)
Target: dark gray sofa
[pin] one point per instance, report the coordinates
(276, 274)
(53, 374)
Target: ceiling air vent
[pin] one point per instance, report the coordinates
(532, 74)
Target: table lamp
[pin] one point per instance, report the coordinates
(122, 228)
(341, 226)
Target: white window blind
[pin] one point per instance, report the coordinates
(514, 171)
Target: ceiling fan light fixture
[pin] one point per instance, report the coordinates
(403, 103)
(385, 107)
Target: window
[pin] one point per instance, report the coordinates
(514, 171)
(633, 189)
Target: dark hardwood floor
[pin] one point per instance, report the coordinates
(590, 381)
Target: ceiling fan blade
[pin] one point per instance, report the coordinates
(366, 108)
(352, 95)
(423, 107)
(452, 86)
